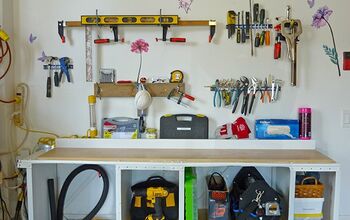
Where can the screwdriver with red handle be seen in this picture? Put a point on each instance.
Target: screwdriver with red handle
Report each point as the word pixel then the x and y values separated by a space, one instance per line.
pixel 174 40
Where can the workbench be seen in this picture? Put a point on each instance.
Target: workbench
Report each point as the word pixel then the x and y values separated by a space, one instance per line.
pixel 130 161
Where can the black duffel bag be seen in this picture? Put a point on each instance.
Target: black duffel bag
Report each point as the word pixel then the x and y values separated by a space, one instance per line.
pixel 141 207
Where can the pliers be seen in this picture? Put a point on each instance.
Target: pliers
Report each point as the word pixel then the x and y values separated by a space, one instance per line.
pixel 253 88
pixel 265 92
pixel 64 63
pixel 217 101
pixel 245 83
pixel 239 89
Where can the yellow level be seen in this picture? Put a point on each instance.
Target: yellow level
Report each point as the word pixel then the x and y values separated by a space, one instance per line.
pixel 129 20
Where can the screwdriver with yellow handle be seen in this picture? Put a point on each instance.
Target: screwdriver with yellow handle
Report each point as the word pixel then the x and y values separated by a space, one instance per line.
pixel 231 23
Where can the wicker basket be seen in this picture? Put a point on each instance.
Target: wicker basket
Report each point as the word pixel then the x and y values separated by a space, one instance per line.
pixel 309 191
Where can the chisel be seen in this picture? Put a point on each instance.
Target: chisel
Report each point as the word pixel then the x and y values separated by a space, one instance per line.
pixel 247 25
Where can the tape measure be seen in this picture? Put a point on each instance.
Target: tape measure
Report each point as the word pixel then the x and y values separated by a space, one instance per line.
pixel 176 76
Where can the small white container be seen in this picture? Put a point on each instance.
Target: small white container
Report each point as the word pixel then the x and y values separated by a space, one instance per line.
pixel 308 205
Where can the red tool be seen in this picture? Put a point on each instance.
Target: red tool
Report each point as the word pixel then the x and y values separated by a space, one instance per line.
pixel 174 40
pixel 106 41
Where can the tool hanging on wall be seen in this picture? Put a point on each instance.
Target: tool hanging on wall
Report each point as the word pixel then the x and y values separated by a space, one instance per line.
pixel 56 64
pixel 289 31
pixel 176 95
pixel 229 91
pixel 248 22
pixel 114 21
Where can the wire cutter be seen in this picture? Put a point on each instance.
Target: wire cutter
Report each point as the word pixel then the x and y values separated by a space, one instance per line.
pixel 217 101
pixel 253 88
pixel 265 92
pixel 64 63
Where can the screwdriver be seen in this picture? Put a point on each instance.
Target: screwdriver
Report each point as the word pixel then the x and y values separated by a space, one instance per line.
pixel 262 16
pixel 267 35
pixel 247 23
pixel 239 29
pixel 173 40
pixel 231 23
pixel 243 29
pixel 255 13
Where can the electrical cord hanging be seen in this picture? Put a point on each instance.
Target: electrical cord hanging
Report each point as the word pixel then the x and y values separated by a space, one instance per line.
pixel 68 181
pixel 2 56
pixel 8 102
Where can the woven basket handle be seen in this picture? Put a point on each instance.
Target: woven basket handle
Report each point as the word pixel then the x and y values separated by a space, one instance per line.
pixel 309 178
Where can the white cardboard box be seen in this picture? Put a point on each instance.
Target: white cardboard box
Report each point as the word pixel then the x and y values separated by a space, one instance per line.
pixel 308 205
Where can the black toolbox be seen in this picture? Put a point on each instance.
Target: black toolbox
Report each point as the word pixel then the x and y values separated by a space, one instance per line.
pixel 184 126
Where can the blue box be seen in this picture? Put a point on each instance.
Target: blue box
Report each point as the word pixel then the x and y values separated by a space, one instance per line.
pixel 278 129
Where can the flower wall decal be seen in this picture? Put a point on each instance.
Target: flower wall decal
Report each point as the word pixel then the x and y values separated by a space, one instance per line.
pixel 321 19
pixel 139 46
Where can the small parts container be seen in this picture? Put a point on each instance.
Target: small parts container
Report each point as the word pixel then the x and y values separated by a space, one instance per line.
pixel 305 123
pixel 151 133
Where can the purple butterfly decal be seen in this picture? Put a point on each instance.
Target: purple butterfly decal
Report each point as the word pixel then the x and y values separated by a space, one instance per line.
pixel 32 38
pixel 311 3
pixel 185 4
pixel 43 57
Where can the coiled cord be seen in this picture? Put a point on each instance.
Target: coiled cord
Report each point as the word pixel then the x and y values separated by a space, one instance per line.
pixel 67 182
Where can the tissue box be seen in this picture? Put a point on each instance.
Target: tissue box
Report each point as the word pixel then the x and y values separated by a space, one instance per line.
pixel 277 129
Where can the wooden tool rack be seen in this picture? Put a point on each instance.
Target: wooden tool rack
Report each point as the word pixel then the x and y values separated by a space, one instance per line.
pixel 130 161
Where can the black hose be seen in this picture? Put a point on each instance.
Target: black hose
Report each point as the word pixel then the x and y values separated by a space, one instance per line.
pixel 52 199
pixel 67 182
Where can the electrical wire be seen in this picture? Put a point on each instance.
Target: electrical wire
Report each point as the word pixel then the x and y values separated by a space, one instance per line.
pixel 37 131
pixel 2 56
pixel 8 102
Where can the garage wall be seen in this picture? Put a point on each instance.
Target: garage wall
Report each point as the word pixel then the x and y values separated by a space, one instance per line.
pixel 67 112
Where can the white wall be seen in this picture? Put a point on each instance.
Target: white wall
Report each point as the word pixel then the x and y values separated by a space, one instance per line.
pixel 67 112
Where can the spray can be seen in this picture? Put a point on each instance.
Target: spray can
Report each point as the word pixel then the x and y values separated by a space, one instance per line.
pixel 305 123
pixel 92 132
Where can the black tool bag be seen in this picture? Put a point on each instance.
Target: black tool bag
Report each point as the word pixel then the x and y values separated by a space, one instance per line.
pixel 252 198
pixel 141 208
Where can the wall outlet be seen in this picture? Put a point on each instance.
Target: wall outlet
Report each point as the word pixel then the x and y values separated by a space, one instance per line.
pixel 18 118
pixel 345 119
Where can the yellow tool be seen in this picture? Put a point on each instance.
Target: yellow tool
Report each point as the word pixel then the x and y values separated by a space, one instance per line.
pixel 129 19
pixel 177 76
pixel 154 198
pixel 231 23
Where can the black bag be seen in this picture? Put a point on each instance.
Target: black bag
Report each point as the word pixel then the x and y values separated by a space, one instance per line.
pixel 141 208
pixel 251 197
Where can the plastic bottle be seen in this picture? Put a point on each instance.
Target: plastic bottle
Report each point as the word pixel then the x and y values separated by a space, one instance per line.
pixel 305 123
